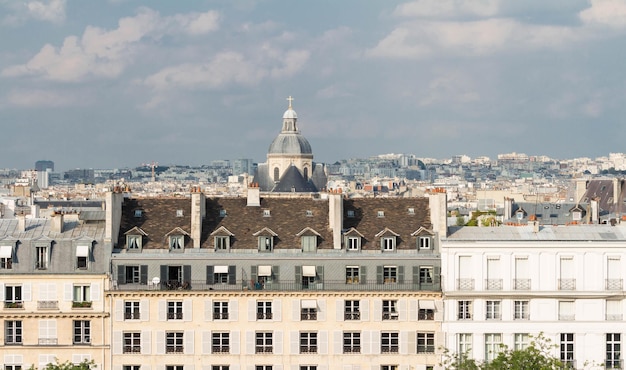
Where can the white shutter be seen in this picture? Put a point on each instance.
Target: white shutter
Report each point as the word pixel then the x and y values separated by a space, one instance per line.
pixel 567 268
pixel 95 292
pixel 162 310
pixel 364 306
pixel 143 367
pixel 2 292
pixel 493 267
pixel 68 292
pixel 402 310
pixel 189 342
pixel 613 308
pixel 46 359
pixel 235 341
pixel 249 342
pixel 117 342
pixel 52 292
pixel 146 342
pixel 233 310
pixel 277 311
pixel 144 310
pixel 160 342
pixel 119 310
pixel 338 342
pixel 339 308
pixel 187 310
pixel 278 342
pixel 375 337
pixel 323 342
pixel 321 316
pixel 252 310
pixel 27 295
pixel 295 310
pixel 294 338
pixel 206 342
pixel 522 270
pixel 208 310
pixel 404 342
pixel 366 342
pixel 438 310
pixel 378 310
pixel 413 310
pixel 189 367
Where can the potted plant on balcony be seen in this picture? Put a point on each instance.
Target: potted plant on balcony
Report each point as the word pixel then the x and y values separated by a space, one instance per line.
pixel 81 304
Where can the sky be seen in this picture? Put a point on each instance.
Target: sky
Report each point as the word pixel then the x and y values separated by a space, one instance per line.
pixel 118 83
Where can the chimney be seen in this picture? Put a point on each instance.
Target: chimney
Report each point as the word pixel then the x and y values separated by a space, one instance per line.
pixel 254 195
pixel 508 208
pixel 594 211
pixel 198 212
pixel 535 225
pixel 438 208
pixel 21 222
pixel 57 222
pixel 34 211
pixel 335 216
pixel 113 215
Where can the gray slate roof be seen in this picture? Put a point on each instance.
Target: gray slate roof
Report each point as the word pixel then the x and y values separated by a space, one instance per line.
pixel 548 233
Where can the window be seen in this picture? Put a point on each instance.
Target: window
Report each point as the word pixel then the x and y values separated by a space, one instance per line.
pixel 131 310
pixel 613 310
pixel 351 310
pixel 309 213
pixel 566 310
pixel 13 296
pixel 179 213
pixel 353 243
pixel 266 213
pixel 567 348
pixel 42 257
pixel 133 274
pixel 423 242
pixel 308 313
pixel 266 243
pixel 263 367
pixel 173 342
pixel 521 310
pixel 82 293
pixel 12 332
pixel 217 367
pixel 522 341
pixel 82 332
pixel 351 342
pixel 613 351
pixel 425 342
pixel 220 274
pixel 309 243
pixel 6 254
pixel 465 344
pixel 81 262
pixel 131 367
pixel 465 310
pixel 426 314
pixel 133 242
pixel 388 243
pixel 380 214
pixel 82 257
pixel 350 213
pixel 132 342
pixel 177 242
pixel 220 342
pixel 138 213
pixel 12 367
pixel 352 274
pixel 264 310
pixel 222 243
pixel 389 342
pixel 493 310
pixel 390 311
pixel 308 342
pixel 567 280
pixel 426 275
pixel 390 274
pixel 263 342
pixel 411 210
pixel 220 310
pixel 522 274
pixel 174 310
pixel 388 367
pixel 308 367
pixel 492 346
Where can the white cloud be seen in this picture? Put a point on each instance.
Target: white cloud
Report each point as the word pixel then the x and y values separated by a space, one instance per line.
pixel 448 8
pixel 105 53
pixel 610 13
pixel 41 98
pixel 53 10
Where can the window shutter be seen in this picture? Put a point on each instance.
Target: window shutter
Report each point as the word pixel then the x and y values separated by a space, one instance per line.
pixel 402 310
pixel 160 342
pixel 295 310
pixel 366 342
pixel 95 292
pixel 253 273
pixel 146 342
pixel 68 292
pixel 416 275
pixel 187 310
pixel 567 268
pixel 379 274
pixel 206 342
pixel 613 268
pixel 337 342
pixel 413 310
pixel 249 342
pixel 187 274
pixel 26 292
pixel 162 310
pixel 294 337
pixel 117 342
pixel 276 273
pixel 404 342
pixel 235 342
pixel 378 310
pixel 319 270
pixel 375 337
pixel 208 310
pixel 43 292
pixel 493 267
pixel 233 310
pixel 119 310
pixel 363 274
pixel 437 273
pixel 439 310
pixel 340 308
pixel 189 342
pixel 252 310
pixel 321 316
pixel 2 292
pixel 278 342
pixel 298 277
pixel 209 275
pixel 400 274
pixel 323 342
pixel 465 267
pixel 365 309
pixel 143 274
pixel 144 310
pixel 277 311
pixel 121 274
pixel 232 276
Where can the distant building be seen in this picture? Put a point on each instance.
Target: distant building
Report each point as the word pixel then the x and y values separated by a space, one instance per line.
pixel 241 166
pixel 43 165
pixel 80 175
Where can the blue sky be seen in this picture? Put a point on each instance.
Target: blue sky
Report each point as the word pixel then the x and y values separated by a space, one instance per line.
pixel 118 83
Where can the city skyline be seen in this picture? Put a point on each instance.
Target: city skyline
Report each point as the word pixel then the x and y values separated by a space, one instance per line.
pixel 121 83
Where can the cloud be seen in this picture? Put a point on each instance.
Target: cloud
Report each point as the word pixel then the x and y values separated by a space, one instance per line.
pixel 610 13
pixel 448 8
pixel 104 53
pixel 19 11
pixel 41 98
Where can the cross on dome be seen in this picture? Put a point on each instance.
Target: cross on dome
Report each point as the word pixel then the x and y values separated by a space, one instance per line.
pixel 290 100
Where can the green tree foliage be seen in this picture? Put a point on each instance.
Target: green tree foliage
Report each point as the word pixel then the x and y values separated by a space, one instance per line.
pixel 85 365
pixel 537 356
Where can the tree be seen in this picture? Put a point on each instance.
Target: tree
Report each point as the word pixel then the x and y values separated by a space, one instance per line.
pixel 85 365
pixel 537 356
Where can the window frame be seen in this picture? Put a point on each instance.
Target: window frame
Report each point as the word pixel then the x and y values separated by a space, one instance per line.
pixel 177 242
pixel 13 332
pixel 81 293
pixel 265 244
pixel 425 342
pixel 221 243
pixel 308 243
pixel 263 342
pixel 131 342
pixel 351 342
pixel 82 332
pixel 521 310
pixel 264 310
pixel 389 309
pixel 390 274
pixel 493 310
pixel 464 310
pixel 389 342
pixel 388 243
pixel 134 242
pixel 353 243
pixel 42 257
pixel 132 310
pixel 424 243
pixel 353 274
pixel 174 310
pixel 352 310
pixel 220 342
pixel 174 342
pixel 308 342
pixel 220 310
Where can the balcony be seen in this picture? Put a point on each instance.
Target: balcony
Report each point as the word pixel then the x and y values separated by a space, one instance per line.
pixel 48 305
pixel 613 364
pixel 613 284
pixel 465 284
pixel 493 284
pixel 220 315
pixel 132 349
pixel 614 317
pixel 132 316
pixel 308 349
pixel 308 316
pixel 174 315
pixel 521 284
pixel 389 349
pixel 174 349
pixel 263 350
pixel 220 349
pixel 351 349
pixel 13 304
pixel 81 304
pixel 390 315
pixel 48 341
pixel 263 315
pixel 567 284
pixel 352 316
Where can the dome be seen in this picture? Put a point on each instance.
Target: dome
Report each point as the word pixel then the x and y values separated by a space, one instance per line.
pixel 290 113
pixel 290 143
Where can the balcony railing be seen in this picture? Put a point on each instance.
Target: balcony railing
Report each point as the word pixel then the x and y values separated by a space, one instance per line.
pixel 132 315
pixel 308 316
pixel 390 316
pixel 292 286
pixel 263 350
pixel 389 349
pixel 614 317
pixel 220 349
pixel 132 349
pixel 567 284
pixel 465 284
pixel 308 349
pixel 263 315
pixel 351 349
pixel 613 284
pixel 13 304
pixel 352 316
pixel 614 364
pixel 81 304
pixel 493 284
pixel 174 349
pixel 174 315
pixel 521 284
pixel 48 341
pixel 220 315
pixel 48 305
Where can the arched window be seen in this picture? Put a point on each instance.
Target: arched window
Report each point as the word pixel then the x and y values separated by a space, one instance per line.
pixel 306 173
pixel 276 173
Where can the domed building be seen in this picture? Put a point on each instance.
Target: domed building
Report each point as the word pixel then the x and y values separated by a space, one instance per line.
pixel 290 166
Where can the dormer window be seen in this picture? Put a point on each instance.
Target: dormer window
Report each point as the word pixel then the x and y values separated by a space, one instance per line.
pixel 222 213
pixel 350 213
pixel 411 211
pixel 138 213
pixel 6 257
pixel 222 243
pixel 266 243
pixel 353 243
pixel 423 242
pixel 388 243
pixel 177 242
pixel 179 213
pixel 82 257
pixel 576 215
pixel 266 213
pixel 381 214
pixel 309 243
pixel 133 242
pixel 309 213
